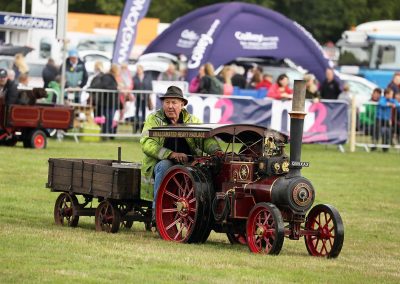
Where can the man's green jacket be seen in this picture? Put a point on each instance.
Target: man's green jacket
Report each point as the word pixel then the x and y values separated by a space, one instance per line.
pixel 154 151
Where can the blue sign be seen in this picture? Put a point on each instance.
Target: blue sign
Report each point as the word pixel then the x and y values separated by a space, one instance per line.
pixel 25 22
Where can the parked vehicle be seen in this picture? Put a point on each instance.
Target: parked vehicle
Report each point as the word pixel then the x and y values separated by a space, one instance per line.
pixel 371 50
pixel 31 124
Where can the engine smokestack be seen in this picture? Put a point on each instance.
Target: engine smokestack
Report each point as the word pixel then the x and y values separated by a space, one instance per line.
pixel 296 127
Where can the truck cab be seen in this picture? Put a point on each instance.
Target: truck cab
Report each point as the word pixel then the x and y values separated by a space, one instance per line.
pixel 371 50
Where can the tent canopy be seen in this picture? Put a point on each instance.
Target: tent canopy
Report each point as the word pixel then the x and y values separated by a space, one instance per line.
pixel 222 32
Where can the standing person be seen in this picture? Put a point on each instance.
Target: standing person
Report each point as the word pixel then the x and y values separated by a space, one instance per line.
pixel 396 118
pixel 23 80
pixel 170 74
pixel 209 84
pixel 238 79
pixel 19 65
pixel 76 75
pixel 330 88
pixel 8 88
pixel 141 81
pixel 125 86
pixel 226 76
pixel 266 82
pixel 367 118
pixel 255 79
pixel 96 83
pixel 384 118
pixel 49 72
pixel 280 90
pixel 162 153
pixel 312 92
pixel 345 96
pixel 395 83
pixel 194 86
pixel 109 102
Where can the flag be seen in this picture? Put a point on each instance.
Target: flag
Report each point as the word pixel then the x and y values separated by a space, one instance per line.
pixel 134 10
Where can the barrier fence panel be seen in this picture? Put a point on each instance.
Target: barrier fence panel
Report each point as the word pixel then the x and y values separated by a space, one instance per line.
pixel 377 131
pixel 109 113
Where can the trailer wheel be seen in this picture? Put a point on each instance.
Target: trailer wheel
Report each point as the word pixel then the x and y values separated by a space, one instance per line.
pixel 126 224
pixel 123 208
pixel 327 224
pixel 65 210
pixel 107 217
pixel 235 239
pixel 11 142
pixel 36 139
pixel 177 206
pixel 265 229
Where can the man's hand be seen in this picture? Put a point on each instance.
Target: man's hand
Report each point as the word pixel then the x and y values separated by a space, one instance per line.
pixel 178 157
pixel 219 153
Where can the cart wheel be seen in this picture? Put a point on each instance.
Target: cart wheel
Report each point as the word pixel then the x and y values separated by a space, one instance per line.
pixel 65 210
pixel 127 224
pixel 107 217
pixel 177 206
pixel 265 229
pixel 124 209
pixel 36 139
pixel 328 239
pixel 148 226
pixel 11 142
pixel 237 238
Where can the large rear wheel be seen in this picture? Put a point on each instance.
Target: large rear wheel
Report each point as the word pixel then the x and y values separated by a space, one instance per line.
pixel 177 206
pixel 327 224
pixel 265 229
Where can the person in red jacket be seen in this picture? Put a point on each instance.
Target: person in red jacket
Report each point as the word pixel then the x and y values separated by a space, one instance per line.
pixel 280 90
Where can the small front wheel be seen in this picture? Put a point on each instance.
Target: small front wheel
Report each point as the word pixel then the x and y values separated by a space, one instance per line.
pixel 327 240
pixel 265 229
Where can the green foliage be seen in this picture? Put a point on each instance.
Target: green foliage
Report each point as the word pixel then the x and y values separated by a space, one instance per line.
pixel 363 186
pixel 325 19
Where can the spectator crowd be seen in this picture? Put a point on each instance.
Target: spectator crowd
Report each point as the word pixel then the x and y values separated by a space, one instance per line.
pixel 114 96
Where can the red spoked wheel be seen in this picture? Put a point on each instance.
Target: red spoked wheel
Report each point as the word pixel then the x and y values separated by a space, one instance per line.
pixel 107 217
pixel 177 205
pixel 65 210
pixel 327 224
pixel 265 229
pixel 38 139
pixel 235 239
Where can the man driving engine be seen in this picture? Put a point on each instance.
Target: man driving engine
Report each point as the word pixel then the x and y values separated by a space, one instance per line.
pixel 162 153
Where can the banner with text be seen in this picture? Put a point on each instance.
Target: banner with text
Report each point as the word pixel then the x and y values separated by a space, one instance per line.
pixel 134 10
pixel 325 122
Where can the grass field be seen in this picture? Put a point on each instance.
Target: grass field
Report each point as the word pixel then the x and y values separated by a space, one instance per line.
pixel 364 187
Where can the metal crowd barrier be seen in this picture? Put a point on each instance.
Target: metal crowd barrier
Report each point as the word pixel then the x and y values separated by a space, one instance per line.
pixel 101 114
pixel 372 133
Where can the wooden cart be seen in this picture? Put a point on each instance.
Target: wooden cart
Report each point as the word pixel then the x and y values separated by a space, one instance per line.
pixel 115 184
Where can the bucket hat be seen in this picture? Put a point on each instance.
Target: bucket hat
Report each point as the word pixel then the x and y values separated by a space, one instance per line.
pixel 174 92
pixel 3 73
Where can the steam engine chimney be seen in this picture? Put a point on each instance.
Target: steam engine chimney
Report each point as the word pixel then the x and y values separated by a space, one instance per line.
pixel 294 191
pixel 296 127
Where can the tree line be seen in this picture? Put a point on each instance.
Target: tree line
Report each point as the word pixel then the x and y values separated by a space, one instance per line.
pixel 325 19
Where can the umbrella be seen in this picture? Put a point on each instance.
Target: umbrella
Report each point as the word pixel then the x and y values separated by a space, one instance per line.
pixel 11 50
